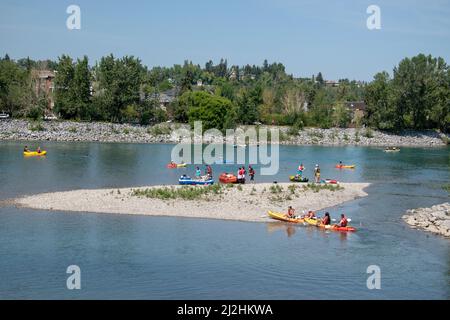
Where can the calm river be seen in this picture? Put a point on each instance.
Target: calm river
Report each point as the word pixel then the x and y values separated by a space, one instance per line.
pixel 138 257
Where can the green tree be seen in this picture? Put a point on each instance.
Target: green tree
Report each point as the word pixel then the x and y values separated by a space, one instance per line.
pixel 380 111
pixel 319 79
pixel 15 88
pixel 249 102
pixel 341 116
pixel 81 90
pixel 119 85
pixel 210 109
pixel 64 90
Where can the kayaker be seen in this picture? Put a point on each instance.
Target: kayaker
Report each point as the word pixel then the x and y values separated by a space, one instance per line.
pixel 326 220
pixel 310 215
pixel 300 170
pixel 198 173
pixel 317 173
pixel 343 222
pixel 209 171
pixel 251 173
pixel 291 212
pixel 39 150
pixel 26 149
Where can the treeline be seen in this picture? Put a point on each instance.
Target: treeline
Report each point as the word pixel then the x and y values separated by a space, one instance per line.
pixel 417 96
pixel 124 90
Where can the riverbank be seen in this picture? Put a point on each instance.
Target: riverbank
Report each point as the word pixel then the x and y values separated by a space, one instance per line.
pixel 435 219
pixel 249 202
pixel 23 130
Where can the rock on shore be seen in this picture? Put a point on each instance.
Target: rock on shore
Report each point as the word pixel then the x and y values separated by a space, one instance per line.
pixel 164 133
pixel 367 137
pixel 435 219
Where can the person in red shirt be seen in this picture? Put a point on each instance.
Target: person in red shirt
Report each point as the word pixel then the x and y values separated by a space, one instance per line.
pixel 242 174
pixel 209 171
pixel 251 173
pixel 326 220
pixel 291 212
pixel 343 222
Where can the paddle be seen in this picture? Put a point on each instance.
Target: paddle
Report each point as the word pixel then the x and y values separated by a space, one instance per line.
pixel 349 220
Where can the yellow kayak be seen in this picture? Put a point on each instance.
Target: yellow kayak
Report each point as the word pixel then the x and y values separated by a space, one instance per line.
pixel 313 222
pixel 284 217
pixel 34 153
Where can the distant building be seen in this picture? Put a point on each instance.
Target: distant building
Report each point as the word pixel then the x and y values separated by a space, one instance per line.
pixel 164 98
pixel 331 83
pixel 44 83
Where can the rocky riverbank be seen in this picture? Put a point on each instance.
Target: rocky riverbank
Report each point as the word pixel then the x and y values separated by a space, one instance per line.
pixel 164 133
pixel 435 219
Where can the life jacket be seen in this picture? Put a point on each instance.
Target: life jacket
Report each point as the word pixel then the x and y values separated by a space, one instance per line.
pixel 343 222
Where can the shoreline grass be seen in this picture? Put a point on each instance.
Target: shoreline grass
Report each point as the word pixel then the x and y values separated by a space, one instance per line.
pixel 173 193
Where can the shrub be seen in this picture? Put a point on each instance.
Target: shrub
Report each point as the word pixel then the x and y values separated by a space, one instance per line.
pixel 184 193
pixel 158 130
pixel 368 133
pixel 34 113
pixel 276 189
pixel 36 126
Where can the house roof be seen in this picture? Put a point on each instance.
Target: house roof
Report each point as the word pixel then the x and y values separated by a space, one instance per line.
pixel 43 74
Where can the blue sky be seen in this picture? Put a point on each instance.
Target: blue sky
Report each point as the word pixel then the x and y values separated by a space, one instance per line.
pixel 307 36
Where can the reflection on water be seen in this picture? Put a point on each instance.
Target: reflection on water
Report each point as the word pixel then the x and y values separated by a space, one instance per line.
pixel 290 230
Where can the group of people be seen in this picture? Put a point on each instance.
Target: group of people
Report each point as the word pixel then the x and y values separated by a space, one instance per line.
pixel 301 169
pixel 28 150
pixel 326 220
pixel 208 172
pixel 241 174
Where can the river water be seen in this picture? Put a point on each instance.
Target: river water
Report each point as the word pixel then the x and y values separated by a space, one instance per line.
pixel 138 257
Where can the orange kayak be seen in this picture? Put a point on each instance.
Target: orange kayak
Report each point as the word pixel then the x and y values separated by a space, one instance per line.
pixel 333 227
pixel 342 166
